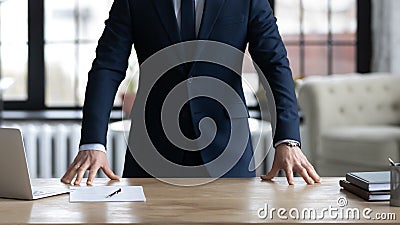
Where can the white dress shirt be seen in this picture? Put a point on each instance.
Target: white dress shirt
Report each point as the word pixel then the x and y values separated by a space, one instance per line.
pixel 199 7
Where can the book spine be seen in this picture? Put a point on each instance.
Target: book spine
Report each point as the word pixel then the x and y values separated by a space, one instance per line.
pixel 357 182
pixel 361 193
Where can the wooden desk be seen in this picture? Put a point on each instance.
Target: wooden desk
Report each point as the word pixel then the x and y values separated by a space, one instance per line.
pixel 225 201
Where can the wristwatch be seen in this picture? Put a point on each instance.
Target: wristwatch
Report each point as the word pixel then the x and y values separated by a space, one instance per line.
pixel 292 144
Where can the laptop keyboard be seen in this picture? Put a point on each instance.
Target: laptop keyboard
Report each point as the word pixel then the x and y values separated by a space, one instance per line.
pixel 40 193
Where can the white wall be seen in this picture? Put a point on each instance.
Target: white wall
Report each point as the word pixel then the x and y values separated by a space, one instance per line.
pixel 386 36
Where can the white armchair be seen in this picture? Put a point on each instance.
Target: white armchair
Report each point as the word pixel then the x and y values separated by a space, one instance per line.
pixel 352 121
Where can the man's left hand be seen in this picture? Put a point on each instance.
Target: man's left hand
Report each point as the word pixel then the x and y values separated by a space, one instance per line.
pixel 292 159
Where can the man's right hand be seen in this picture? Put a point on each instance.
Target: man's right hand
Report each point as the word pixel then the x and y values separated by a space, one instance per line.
pixel 91 160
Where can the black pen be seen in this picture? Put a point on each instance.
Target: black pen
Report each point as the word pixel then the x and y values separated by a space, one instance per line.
pixel 391 162
pixel 114 193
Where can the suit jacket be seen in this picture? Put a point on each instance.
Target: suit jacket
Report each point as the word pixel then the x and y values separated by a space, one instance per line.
pixel 150 25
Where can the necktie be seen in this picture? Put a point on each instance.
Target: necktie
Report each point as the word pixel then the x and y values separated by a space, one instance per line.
pixel 188 20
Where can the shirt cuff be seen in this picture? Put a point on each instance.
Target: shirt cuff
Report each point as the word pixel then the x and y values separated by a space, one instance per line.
pixel 98 147
pixel 284 141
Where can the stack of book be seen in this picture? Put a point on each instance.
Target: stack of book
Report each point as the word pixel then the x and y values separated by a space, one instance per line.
pixel 371 186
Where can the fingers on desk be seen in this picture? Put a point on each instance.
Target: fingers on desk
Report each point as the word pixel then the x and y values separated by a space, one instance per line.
pixel 92 174
pixel 110 174
pixel 71 171
pixel 303 173
pixel 81 172
pixel 293 160
pixel 289 175
pixel 105 168
pixel 312 173
pixel 77 168
pixel 273 173
pixel 88 160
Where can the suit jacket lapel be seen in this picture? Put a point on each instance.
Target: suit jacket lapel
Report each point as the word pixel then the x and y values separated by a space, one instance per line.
pixel 166 12
pixel 212 8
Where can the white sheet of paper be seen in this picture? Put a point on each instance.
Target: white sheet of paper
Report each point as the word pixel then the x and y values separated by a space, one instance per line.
pixel 100 193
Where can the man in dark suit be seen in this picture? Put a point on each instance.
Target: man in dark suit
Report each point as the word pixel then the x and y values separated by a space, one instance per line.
pixel 153 25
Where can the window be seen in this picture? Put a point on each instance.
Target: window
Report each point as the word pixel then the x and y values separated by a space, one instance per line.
pixel 47 46
pixel 320 35
pixel 71 31
pixel 14 47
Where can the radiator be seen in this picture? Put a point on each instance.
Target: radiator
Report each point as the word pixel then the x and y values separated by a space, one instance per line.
pixel 51 147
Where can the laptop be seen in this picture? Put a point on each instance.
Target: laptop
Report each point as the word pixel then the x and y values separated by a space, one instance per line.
pixel 15 181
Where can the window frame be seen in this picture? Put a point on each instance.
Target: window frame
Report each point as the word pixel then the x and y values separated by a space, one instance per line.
pixel 362 43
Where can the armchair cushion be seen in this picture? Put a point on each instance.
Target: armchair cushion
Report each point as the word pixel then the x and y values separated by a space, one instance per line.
pixel 361 145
